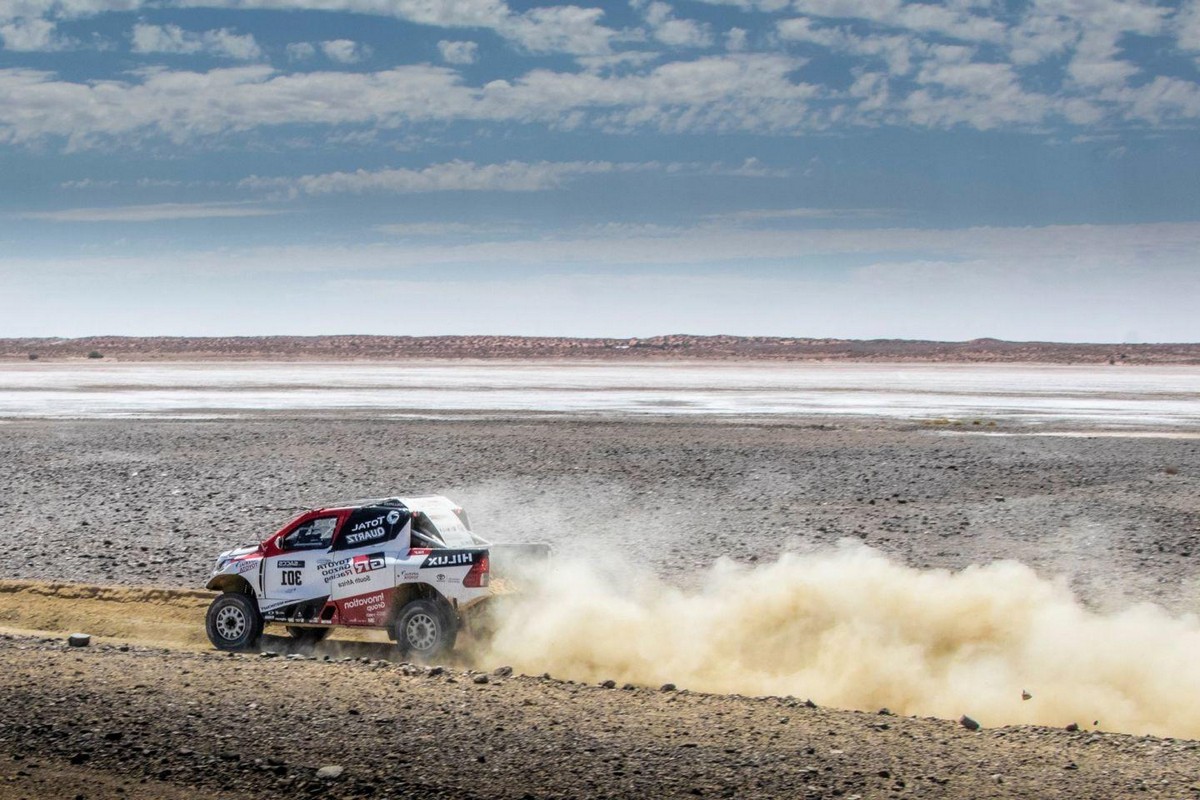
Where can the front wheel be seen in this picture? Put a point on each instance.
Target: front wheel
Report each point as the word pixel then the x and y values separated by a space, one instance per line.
pixel 307 635
pixel 233 622
pixel 425 630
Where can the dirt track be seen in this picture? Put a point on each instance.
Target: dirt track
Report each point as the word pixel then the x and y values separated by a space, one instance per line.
pixel 134 721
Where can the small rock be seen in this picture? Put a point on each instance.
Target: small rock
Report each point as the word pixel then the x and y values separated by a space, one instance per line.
pixel 480 679
pixel 1074 726
pixel 809 704
pixel 968 723
pixel 268 654
pixel 609 684
pixel 502 672
pixel 79 640
pixel 330 772
pixel 1070 765
pixel 435 671
pixel 629 687
pixel 1026 695
pixel 885 712
pixel 667 687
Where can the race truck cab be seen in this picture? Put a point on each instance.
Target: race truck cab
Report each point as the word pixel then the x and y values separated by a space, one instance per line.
pixel 408 565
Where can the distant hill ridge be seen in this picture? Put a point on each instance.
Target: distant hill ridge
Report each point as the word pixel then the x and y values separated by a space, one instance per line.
pixel 669 347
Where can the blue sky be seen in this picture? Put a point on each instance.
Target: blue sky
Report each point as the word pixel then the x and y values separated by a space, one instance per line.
pixel 856 168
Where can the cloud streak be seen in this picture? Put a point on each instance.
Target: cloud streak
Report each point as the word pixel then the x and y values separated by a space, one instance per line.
pixel 160 212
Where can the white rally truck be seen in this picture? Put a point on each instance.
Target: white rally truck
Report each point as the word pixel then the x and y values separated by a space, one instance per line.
pixel 407 565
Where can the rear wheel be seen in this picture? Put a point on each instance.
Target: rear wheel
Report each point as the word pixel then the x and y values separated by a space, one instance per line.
pixel 425 630
pixel 233 622
pixel 307 635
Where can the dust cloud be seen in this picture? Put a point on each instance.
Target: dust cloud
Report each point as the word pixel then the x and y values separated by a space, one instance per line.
pixel 850 628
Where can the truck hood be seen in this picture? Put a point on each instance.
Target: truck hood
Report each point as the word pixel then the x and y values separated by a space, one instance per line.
pixel 238 552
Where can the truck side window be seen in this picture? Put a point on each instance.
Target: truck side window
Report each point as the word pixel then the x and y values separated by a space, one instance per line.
pixel 315 534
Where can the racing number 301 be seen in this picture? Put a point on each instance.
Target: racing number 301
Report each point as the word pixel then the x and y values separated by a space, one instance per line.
pixel 289 577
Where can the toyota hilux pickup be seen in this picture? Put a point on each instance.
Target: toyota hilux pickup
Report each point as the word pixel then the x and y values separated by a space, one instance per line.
pixel 407 565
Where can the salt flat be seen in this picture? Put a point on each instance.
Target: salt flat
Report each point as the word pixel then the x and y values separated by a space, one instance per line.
pixel 1093 395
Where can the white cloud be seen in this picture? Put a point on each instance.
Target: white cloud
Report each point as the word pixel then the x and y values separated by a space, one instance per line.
pixel 544 29
pixel 1161 98
pixel 172 39
pixel 345 51
pixel 89 183
pixel 300 51
pixel 1187 26
pixel 435 229
pixel 559 29
pixel 461 176
pixel 959 23
pixel 458 52
pixel 752 5
pixel 628 59
pixel 151 213
pixel 30 35
pixel 736 39
pixel 898 52
pixel 670 30
pixel 732 92
pixel 800 214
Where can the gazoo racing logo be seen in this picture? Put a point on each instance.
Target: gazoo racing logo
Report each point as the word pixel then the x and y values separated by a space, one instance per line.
pixel 367 563
pixel 461 558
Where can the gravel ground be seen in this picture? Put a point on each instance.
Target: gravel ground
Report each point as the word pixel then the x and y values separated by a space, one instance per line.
pixel 153 502
pixel 141 722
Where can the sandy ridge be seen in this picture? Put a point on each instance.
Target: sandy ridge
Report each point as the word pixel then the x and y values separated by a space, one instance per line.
pixel 670 347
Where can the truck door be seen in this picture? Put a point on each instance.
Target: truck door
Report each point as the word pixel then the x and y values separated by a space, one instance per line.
pixel 293 588
pixel 360 569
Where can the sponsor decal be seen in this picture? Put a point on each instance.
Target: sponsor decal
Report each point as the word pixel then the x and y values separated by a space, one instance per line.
pixel 332 570
pixel 441 577
pixel 393 517
pixel 419 551
pixel 246 566
pixel 370 530
pixel 290 563
pixel 368 563
pixel 462 558
pixel 373 600
pixel 362 537
pixel 293 611
pixel 410 576
pixel 349 571
pixel 365 609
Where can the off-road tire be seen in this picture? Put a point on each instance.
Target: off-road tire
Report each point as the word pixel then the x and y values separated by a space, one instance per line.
pixel 425 630
pixel 307 635
pixel 233 622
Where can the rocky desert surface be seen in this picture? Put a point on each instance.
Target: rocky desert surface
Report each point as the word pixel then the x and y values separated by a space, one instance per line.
pixel 153 501
pixel 138 722
pixel 98 510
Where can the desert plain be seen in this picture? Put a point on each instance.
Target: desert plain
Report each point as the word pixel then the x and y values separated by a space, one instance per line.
pixel 770 605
